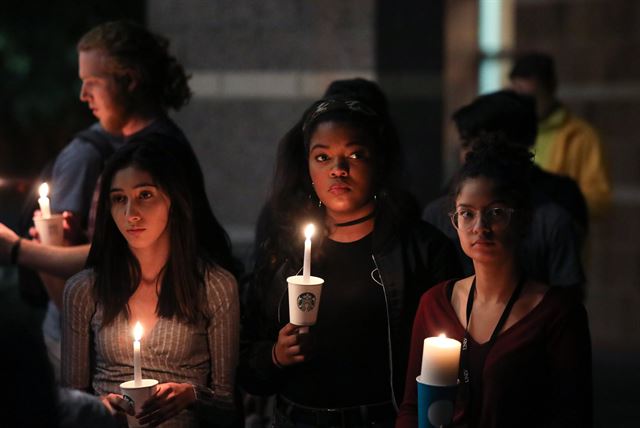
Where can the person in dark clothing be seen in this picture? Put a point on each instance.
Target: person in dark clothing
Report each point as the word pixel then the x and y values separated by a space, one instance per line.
pixel 526 351
pixel 336 167
pixel 551 248
pixel 514 115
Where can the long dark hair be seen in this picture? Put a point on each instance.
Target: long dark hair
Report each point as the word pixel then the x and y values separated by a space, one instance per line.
pixel 293 202
pixel 197 241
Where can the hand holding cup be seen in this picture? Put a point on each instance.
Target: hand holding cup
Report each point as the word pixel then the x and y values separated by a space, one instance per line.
pixel 168 400
pixel 290 348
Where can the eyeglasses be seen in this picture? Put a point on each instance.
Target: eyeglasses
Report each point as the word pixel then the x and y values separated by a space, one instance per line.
pixel 465 218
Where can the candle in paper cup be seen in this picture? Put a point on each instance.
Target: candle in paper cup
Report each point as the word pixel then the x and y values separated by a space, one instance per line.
pixel 50 227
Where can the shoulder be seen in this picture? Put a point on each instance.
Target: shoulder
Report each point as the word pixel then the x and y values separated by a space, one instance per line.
pixel 167 129
pixel 436 207
pixel 432 242
pixel 79 286
pixel 437 212
pixel 220 284
pixel 549 214
pixel 78 150
pixel 561 304
pixel 438 295
pixel 425 232
pixel 533 294
pixel 578 126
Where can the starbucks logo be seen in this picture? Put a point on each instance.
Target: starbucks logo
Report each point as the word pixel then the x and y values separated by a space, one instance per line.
pixel 306 302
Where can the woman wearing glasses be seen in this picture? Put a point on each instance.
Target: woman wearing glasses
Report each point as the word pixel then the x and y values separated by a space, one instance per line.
pixel 527 362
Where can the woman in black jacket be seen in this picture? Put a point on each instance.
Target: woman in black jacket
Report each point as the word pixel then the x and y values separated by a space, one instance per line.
pixel 338 168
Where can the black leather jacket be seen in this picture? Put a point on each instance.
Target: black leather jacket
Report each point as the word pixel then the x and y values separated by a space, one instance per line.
pixel 410 260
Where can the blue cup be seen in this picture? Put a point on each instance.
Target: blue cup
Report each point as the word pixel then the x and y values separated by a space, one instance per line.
pixel 435 404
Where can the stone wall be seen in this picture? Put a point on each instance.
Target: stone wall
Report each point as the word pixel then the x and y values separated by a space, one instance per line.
pixel 257 65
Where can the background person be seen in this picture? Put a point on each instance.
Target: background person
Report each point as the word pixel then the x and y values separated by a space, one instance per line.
pixel 565 144
pixel 129 81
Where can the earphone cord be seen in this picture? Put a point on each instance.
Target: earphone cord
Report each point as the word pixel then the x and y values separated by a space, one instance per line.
pixel 386 305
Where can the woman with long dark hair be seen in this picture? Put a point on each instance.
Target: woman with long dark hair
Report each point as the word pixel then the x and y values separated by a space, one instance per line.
pixel 526 354
pixel 159 257
pixel 338 168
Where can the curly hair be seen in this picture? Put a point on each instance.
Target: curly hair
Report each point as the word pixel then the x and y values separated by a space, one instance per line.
pixel 134 49
pixel 508 165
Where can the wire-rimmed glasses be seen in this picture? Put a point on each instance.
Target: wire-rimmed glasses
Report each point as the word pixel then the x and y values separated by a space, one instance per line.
pixel 465 218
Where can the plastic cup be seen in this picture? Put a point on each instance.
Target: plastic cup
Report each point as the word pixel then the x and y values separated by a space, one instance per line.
pixel 435 404
pixel 304 299
pixel 50 229
pixel 137 395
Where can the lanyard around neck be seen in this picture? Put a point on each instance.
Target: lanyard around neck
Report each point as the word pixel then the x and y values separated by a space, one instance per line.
pixel 466 342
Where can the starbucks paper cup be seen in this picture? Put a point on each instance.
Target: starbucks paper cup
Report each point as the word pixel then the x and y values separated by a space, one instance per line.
pixel 304 299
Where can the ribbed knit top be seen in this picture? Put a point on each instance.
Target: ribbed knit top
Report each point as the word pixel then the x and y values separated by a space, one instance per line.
pixel 204 354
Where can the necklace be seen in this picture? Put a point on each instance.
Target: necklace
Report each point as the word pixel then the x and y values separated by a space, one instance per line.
pixel 357 221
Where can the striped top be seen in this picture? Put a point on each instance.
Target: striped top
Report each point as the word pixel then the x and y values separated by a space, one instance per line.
pixel 204 354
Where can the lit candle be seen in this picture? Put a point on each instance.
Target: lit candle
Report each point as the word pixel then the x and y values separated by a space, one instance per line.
pixel 306 265
pixel 137 370
pixel 440 361
pixel 43 200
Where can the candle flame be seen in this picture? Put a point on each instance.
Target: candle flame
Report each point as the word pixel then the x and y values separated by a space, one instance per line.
pixel 442 335
pixel 137 331
pixel 309 231
pixel 43 190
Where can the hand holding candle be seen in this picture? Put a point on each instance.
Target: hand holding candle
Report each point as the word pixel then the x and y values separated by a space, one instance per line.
pixel 43 201
pixel 137 370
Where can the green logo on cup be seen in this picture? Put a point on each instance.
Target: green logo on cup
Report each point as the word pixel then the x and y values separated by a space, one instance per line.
pixel 306 302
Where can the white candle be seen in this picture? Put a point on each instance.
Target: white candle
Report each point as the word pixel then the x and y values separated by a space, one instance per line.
pixel 306 265
pixel 137 370
pixel 43 200
pixel 440 361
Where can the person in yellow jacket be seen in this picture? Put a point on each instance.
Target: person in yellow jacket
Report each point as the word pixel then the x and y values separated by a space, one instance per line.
pixel 565 143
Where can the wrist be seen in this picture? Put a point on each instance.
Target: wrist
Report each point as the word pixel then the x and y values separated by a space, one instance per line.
pixel 15 252
pixel 274 358
pixel 192 392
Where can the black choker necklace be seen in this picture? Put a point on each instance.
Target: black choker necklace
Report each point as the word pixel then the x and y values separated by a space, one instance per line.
pixel 357 221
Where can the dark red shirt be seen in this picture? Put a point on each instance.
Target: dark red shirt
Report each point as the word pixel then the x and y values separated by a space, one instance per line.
pixel 537 374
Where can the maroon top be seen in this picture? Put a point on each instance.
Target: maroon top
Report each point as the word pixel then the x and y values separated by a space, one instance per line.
pixel 537 374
